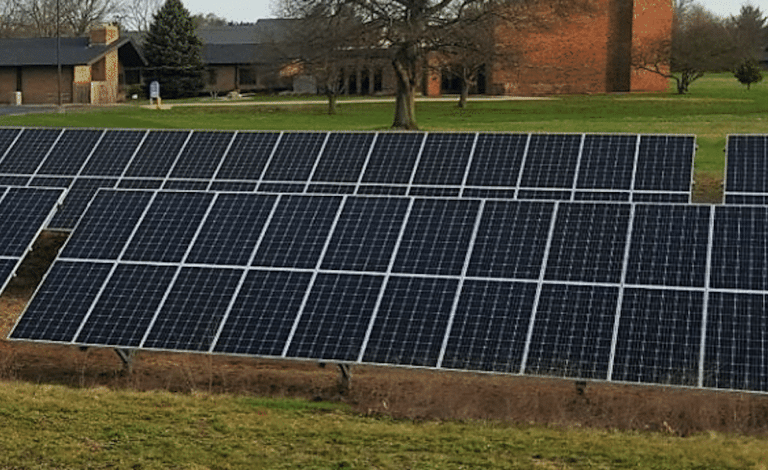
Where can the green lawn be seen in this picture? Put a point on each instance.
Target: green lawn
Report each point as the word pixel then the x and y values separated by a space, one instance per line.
pixel 716 106
pixel 44 426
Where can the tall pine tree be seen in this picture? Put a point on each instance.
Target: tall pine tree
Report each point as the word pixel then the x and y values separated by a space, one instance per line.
pixel 172 49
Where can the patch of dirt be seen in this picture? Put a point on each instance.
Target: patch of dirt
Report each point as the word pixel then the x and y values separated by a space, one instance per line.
pixel 396 392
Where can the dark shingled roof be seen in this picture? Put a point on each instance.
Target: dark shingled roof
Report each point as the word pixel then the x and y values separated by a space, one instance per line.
pixel 74 51
pixel 266 41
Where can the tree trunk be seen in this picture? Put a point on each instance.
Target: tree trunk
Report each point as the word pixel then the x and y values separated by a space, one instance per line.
pixel 331 103
pixel 404 64
pixel 464 91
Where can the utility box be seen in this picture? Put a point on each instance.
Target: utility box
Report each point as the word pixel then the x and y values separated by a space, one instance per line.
pixel 16 98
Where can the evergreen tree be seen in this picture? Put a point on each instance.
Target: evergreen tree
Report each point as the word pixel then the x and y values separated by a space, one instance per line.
pixel 748 72
pixel 172 49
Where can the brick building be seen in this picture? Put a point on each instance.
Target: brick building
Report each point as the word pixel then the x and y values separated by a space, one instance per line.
pixel 585 51
pixel 92 68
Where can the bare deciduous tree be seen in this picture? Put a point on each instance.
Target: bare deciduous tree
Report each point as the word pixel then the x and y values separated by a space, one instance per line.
pixel 700 43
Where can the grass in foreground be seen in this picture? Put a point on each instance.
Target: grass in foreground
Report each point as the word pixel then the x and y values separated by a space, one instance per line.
pixel 44 426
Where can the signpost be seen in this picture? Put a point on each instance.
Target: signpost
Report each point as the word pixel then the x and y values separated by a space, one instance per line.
pixel 154 92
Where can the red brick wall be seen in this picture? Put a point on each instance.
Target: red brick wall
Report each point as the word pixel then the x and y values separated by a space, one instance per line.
pixel 583 52
pixel 38 85
pixel 652 18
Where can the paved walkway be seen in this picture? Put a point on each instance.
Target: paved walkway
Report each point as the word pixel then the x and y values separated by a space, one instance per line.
pixel 341 101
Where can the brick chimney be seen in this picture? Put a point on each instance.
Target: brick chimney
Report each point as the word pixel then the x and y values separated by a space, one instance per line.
pixel 104 34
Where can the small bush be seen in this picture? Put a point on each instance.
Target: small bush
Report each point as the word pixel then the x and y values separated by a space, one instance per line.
pixel 748 72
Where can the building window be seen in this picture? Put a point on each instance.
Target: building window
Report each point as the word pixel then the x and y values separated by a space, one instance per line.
pixel 212 76
pixel 247 76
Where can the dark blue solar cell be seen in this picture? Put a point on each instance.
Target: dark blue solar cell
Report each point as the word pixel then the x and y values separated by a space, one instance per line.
pixel 740 248
pixel 490 326
pixel 27 209
pixel 298 231
pixel 742 199
pixel 7 137
pixel 107 224
pixel 113 153
pixel 532 194
pixel 436 237
pixel 239 186
pixel 50 182
pixel 14 180
pixel 231 230
pixel 411 322
pixel 383 190
pixel 70 152
pixel 29 151
pixel 157 154
pixel 672 198
pixel 496 160
pixel 343 158
pixel 669 245
pixel 7 266
pixel 281 187
pixel 393 158
pixel 61 302
pixel 190 316
pixel 428 191
pixel 248 156
pixel 659 337
pixel 511 239
pixel 665 163
pixel 588 243
pixel 747 164
pixel 186 185
pixel 78 197
pixel 295 157
pixel 330 189
pixel 736 351
pixel 572 332
pixel 444 159
pixel 140 184
pixel 607 162
pixel 615 196
pixel 263 313
pixel 489 193
pixel 168 227
pixel 551 161
pixel 365 234
pixel 336 317
pixel 127 305
pixel 202 155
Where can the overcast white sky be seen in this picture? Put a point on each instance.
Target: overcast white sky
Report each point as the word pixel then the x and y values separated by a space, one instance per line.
pixel 252 10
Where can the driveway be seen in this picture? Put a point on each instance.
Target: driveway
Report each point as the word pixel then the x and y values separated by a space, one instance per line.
pixel 16 110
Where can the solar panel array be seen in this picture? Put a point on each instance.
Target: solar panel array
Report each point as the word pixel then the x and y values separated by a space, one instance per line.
pixel 507 166
pixel 629 292
pixel 746 169
pixel 23 214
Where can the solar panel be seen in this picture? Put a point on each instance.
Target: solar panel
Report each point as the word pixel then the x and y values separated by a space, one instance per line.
pixel 589 243
pixel 113 153
pixel 30 149
pixel 739 247
pixel 393 158
pixel 444 160
pixel 343 158
pixel 248 156
pixel 295 156
pixel 336 317
pixel 70 152
pixel 665 163
pixel 607 162
pixel 23 213
pixel 157 154
pixel 7 138
pixel 746 165
pixel 572 331
pixel 497 160
pixel 202 154
pixel 551 161
pixel 659 337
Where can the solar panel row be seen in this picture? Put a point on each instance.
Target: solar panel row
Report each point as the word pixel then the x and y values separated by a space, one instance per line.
pixel 506 166
pixel 745 170
pixel 23 214
pixel 610 291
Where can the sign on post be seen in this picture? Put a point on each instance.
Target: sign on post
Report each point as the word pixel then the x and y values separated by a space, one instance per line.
pixel 154 92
